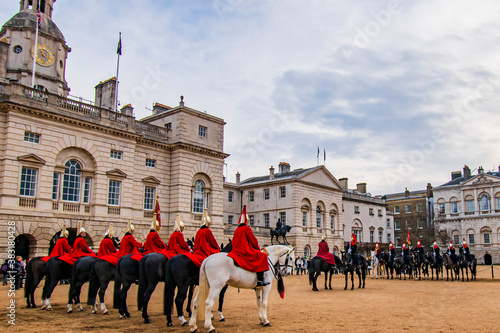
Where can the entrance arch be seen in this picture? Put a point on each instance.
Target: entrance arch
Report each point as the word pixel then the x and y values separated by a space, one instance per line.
pixel 24 246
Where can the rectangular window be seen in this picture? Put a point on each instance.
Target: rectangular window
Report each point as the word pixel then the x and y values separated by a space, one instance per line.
pixel 115 154
pixel 150 163
pixel 388 224
pixel 283 217
pixel 471 238
pixel 407 209
pixel 86 190
pixel 250 220
pixel 251 196
pixel 396 209
pixel 486 238
pixel 470 205
pixel 380 212
pixel 397 242
pixel 454 207
pixel 332 222
pixel 419 208
pixel 441 208
pixel 371 236
pixel 304 219
pixel 455 239
pixel 358 235
pixel 498 203
pixel 282 192
pixel 55 186
pixel 396 225
pixel 380 236
pixel 230 196
pixel 408 225
pixel 371 211
pixel 266 194
pixel 388 238
pixel 230 219
pixel 31 137
pixel 114 193
pixel 356 209
pixel 168 126
pixel 266 220
pixel 202 131
pixel 149 196
pixel 28 182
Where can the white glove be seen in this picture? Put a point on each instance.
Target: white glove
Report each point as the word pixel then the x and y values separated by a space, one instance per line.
pixel 349 251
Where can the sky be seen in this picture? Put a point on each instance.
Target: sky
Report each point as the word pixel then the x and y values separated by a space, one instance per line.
pixel 396 94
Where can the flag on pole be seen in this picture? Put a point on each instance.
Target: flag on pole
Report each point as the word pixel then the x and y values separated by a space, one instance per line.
pixel 119 49
pixel 318 153
pixel 39 18
pixel 408 238
pixel 324 155
pixel 157 211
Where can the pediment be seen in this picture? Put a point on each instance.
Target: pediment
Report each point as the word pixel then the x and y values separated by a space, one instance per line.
pixel 481 179
pixel 151 180
pixel 321 176
pixel 31 158
pixel 116 173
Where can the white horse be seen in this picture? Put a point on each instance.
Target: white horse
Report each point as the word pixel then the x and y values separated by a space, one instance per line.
pixel 218 270
pixel 375 265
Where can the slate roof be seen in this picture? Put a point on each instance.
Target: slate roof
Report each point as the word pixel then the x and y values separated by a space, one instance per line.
pixel 278 176
pixel 461 179
pixel 28 19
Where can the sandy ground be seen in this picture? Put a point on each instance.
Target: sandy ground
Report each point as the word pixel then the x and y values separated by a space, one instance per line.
pixel 384 306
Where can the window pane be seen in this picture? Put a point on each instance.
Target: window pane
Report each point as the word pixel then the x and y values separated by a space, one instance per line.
pixel 28 182
pixel 150 163
pixel 318 217
pixel 149 195
pixel 471 239
pixel 55 186
pixel 486 238
pixel 266 220
pixel 86 191
pixel 198 196
pixel 114 193
pixel 283 217
pixel 304 219
pixel 71 183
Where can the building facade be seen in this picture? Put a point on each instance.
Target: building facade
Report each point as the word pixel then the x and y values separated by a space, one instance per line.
pixel 468 207
pixel 367 217
pixel 308 200
pixel 65 162
pixel 414 212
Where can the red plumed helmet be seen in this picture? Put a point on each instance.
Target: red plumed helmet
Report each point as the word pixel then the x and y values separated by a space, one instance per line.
pixel 353 238
pixel 243 216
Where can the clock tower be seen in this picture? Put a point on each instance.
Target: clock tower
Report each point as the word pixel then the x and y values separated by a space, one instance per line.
pixel 17 48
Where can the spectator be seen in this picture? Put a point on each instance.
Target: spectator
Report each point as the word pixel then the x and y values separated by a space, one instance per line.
pixel 5 269
pixel 19 268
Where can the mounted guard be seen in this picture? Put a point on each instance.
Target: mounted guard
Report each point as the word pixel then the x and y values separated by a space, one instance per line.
pixel 80 248
pixel 129 245
pixel 176 244
pixel 204 242
pixel 324 250
pixel 61 247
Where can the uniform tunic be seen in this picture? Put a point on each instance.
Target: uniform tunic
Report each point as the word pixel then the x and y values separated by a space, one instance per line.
pixel 204 246
pixel 80 249
pixel 246 251
pixel 60 248
pixel 176 245
pixel 324 252
pixel 107 251
pixel 128 245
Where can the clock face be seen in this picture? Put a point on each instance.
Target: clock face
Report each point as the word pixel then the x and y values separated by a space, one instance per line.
pixel 44 55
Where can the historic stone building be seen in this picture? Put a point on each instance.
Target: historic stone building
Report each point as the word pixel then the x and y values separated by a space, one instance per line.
pixel 64 161
pixel 367 217
pixel 309 200
pixel 468 206
pixel 413 211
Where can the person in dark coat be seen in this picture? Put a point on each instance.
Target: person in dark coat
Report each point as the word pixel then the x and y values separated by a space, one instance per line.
pixel 451 252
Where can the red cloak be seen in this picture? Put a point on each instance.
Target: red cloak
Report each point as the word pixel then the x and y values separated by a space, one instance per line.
pixel 176 245
pixel 324 252
pixel 204 245
pixel 106 248
pixel 128 245
pixel 60 248
pixel 246 251
pixel 153 244
pixel 80 249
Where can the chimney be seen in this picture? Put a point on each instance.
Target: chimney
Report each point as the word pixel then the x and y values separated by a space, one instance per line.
pixel 283 167
pixel 237 177
pixel 127 110
pixel 407 193
pixel 480 170
pixel 271 172
pixel 429 190
pixel 466 172
pixel 456 174
pixel 361 187
pixel 159 108
pixel 344 182
pixel 105 94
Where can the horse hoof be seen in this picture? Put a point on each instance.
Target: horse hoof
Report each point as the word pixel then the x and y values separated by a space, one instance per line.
pixel 315 289
pixel 43 307
pixel 170 324
pixel 28 306
pixel 147 321
pixel 49 308
pixel 223 319
pixel 212 331
pixel 267 324
pixel 105 312
pixel 70 311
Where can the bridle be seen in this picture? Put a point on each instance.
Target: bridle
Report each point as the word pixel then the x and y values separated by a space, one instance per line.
pixel 277 268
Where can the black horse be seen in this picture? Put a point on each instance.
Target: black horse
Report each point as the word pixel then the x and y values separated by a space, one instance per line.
pixel 350 267
pixel 80 274
pixel 317 265
pixel 126 273
pixel 450 266
pixel 151 271
pixel 464 263
pixel 101 274
pixel 435 264
pixel 35 271
pixel 57 270
pixel 281 232
pixel 183 274
pixel 417 262
pixel 389 265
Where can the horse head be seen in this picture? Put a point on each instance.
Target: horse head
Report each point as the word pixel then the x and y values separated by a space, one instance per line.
pixel 116 242
pixel 282 257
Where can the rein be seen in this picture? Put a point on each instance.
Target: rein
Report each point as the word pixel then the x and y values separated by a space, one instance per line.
pixel 276 268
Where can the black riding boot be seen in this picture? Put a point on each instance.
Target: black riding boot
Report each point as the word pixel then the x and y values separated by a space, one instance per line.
pixel 260 280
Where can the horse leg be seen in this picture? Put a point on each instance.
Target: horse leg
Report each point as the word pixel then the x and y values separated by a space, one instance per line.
pixel 190 298
pixel 315 277
pixel 209 303
pixel 358 272
pixel 221 302
pixel 179 302
pixel 77 293
pixel 352 279
pixel 102 293
pixel 52 286
pixel 330 281
pixel 123 310
pixel 264 294
pixel 147 296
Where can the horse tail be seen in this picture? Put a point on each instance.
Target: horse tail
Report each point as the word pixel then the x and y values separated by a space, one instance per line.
pixel 202 291
pixel 94 285
pixel 311 272
pixel 118 285
pixel 143 282
pixel 168 290
pixel 281 286
pixel 30 278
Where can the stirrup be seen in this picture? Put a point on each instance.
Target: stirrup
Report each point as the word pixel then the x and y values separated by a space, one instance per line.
pixel 262 283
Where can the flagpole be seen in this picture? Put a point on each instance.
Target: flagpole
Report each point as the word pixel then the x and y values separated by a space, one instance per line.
pixel 36 45
pixel 119 51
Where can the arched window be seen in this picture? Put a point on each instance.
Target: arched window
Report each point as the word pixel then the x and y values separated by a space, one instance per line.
pixel 485 203
pixel 318 217
pixel 72 181
pixel 198 195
